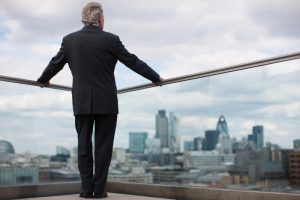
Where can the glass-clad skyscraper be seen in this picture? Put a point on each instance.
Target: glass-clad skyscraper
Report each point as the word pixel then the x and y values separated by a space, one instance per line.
pixel 222 126
pixel 211 139
pixel 137 142
pixel 173 133
pixel 258 136
pixel 162 128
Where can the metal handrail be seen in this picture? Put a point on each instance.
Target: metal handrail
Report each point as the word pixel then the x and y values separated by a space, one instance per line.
pixel 227 69
pixel 33 83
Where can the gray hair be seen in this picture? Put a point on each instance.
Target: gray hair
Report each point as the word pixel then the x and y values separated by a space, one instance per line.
pixel 91 12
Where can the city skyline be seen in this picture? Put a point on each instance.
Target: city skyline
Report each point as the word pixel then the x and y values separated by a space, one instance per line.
pixel 209 131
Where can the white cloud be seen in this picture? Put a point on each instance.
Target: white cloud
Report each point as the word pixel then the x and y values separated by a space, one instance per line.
pixel 47 114
pixel 33 101
pixel 290 110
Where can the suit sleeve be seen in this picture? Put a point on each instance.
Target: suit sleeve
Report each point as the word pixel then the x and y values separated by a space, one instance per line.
pixel 55 65
pixel 134 63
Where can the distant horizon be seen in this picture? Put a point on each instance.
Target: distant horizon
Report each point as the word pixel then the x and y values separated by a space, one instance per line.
pixel 181 149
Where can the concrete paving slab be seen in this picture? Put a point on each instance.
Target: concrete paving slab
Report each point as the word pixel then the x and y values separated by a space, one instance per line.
pixel 113 196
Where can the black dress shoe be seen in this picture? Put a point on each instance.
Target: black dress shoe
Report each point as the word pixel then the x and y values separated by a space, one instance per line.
pixel 100 196
pixel 86 195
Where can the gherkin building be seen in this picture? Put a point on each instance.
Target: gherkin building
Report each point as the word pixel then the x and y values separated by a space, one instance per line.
pixel 222 126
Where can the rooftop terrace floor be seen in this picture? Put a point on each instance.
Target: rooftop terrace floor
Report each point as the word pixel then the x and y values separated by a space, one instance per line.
pixel 110 196
pixel 136 191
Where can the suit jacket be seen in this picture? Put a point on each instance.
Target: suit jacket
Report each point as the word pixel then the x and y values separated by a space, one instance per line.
pixel 92 55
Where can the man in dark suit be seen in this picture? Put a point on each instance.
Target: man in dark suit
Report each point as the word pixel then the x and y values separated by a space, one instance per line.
pixel 92 55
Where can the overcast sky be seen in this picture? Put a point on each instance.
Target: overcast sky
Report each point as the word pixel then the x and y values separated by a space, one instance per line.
pixel 174 38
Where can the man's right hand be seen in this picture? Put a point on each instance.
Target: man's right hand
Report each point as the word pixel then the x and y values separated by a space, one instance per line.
pixel 159 83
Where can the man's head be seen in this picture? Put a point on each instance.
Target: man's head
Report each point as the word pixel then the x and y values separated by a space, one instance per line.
pixel 92 13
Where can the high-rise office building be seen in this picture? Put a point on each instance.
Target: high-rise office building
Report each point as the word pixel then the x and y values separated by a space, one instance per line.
pixel 162 127
pixel 188 145
pixel 211 139
pixel 250 138
pixel 153 150
pixel 297 144
pixel 257 136
pixel 222 126
pixel 224 145
pixel 198 143
pixel 174 140
pixel 137 142
pixel 224 142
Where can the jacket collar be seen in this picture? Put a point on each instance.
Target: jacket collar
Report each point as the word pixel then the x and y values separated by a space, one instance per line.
pixel 91 28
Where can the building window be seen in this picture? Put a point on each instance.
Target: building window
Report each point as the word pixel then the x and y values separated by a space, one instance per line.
pixel 24 179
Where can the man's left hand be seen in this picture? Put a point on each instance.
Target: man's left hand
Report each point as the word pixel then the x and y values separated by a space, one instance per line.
pixel 44 84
